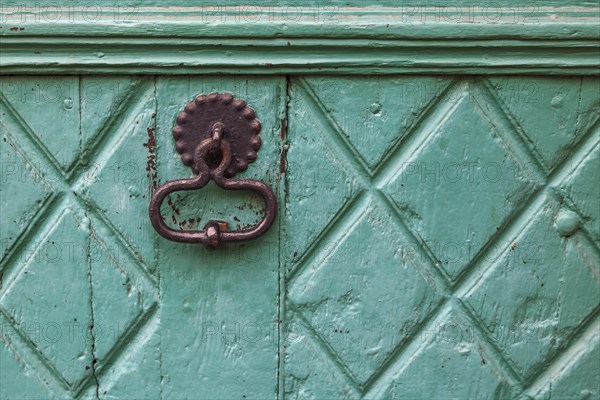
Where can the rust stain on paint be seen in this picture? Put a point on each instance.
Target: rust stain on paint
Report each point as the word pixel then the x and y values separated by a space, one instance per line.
pixel 151 162
pixel 283 129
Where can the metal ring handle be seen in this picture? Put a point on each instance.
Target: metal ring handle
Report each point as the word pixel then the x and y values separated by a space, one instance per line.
pixel 270 211
pixel 214 232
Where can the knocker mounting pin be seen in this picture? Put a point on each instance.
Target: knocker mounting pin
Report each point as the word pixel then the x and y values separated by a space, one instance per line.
pixel 217 136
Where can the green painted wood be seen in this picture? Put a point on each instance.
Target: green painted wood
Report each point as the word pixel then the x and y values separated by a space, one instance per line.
pixel 465 262
pixel 310 3
pixel 438 237
pixel 220 308
pixel 340 37
pixel 385 19
pixel 93 304
pixel 81 264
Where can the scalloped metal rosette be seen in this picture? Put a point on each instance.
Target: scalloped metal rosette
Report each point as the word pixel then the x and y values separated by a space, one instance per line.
pixel 240 129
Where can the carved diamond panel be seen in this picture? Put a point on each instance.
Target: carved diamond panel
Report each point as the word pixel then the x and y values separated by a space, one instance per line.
pixel 376 113
pixel 42 305
pixel 493 203
pixel 540 290
pixel 321 185
pixel 119 181
pixel 441 226
pixel 461 185
pixel 302 379
pixel 449 350
pixel 569 106
pixel 54 101
pixel 74 292
pixel 363 280
pixel 581 188
pixel 574 374
pixel 19 176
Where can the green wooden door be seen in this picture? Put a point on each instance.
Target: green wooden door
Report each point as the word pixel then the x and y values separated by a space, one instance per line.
pixel 437 234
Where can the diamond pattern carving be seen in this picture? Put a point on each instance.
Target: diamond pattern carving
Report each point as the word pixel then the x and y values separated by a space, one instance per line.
pixel 74 291
pixel 375 114
pixel 574 374
pixel 323 186
pixel 468 181
pixel 302 379
pixel 570 106
pixel 20 174
pixel 46 313
pixel 407 219
pixel 377 277
pixel 539 291
pixel 448 344
pixel 118 183
pixel 54 101
pixel 518 287
pixel 102 97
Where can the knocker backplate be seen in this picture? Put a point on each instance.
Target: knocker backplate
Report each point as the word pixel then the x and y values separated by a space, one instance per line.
pixel 240 129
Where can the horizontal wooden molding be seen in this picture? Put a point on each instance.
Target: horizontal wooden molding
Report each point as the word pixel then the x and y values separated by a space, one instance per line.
pixel 220 39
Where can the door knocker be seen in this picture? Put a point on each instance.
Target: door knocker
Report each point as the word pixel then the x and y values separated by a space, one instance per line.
pixel 217 136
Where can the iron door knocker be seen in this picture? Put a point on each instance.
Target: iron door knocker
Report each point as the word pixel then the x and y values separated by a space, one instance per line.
pixel 217 136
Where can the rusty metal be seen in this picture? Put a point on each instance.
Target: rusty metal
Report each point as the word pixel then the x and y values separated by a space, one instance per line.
pixel 225 116
pixel 217 136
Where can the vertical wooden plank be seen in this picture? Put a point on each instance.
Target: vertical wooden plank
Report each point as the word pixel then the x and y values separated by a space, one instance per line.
pixel 219 309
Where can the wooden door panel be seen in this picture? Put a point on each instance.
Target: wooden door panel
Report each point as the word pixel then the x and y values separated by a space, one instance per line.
pixel 467 257
pixel 437 237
